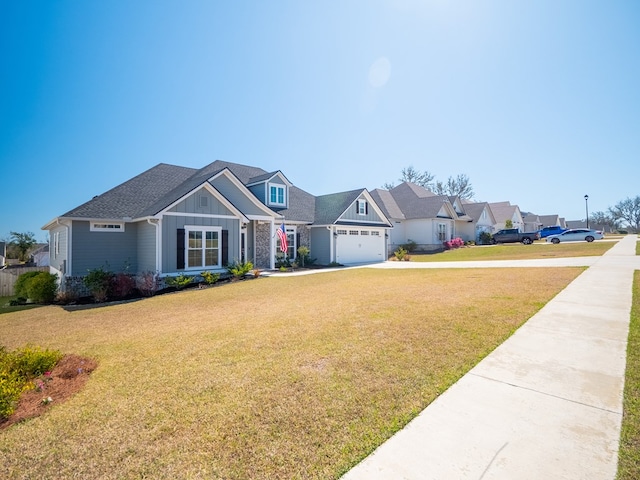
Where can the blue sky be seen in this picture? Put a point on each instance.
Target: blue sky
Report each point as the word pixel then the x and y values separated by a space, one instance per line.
pixel 537 102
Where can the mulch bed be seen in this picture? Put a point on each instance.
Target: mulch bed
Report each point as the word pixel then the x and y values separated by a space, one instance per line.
pixel 67 378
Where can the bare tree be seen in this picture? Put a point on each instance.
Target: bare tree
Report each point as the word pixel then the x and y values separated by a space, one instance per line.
pixel 459 185
pixel 604 219
pixel 410 174
pixel 627 210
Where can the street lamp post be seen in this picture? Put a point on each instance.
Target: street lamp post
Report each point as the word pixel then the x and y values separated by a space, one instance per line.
pixel 586 206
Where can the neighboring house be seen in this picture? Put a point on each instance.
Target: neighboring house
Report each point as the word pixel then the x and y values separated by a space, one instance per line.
pixel 503 211
pixel 583 224
pixel 417 215
pixel 172 220
pixel 40 256
pixel 532 222
pixel 482 220
pixel 550 221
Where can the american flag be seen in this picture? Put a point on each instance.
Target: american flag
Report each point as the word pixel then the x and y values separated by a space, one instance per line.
pixel 282 235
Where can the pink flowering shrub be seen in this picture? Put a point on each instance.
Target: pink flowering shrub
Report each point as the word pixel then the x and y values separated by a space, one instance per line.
pixel 454 243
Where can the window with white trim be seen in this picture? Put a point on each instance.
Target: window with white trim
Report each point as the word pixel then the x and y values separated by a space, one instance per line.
pixel 203 246
pixel 292 248
pixel 107 227
pixel 442 232
pixel 341 232
pixel 353 232
pixel 364 232
pixel 375 233
pixel 277 195
pixel 56 244
pixel 363 209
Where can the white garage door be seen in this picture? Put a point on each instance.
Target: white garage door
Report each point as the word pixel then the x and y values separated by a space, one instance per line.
pixel 360 246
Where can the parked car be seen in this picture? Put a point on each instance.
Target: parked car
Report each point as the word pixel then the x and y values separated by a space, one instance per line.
pixel 553 230
pixel 512 235
pixel 576 235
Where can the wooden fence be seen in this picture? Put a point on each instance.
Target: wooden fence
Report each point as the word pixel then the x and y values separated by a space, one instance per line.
pixel 9 277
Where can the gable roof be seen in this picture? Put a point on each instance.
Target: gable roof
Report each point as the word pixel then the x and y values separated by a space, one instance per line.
pixel 135 196
pixel 474 210
pixel 549 220
pixel 387 203
pixel 330 207
pixel 503 211
pixel 410 201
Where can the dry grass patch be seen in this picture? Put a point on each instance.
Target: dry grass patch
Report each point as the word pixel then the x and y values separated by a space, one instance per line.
pixel 517 251
pixel 295 377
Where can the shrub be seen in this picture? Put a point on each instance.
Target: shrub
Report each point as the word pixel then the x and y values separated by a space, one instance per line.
pixel 210 278
pixel 303 256
pixel 400 254
pixel 10 389
pixel 239 269
pixel 179 282
pixel 147 283
pixel 42 288
pixel 410 246
pixel 17 369
pixel 29 362
pixel 485 238
pixel 98 281
pixel 282 261
pixel 454 243
pixel 122 285
pixel 21 285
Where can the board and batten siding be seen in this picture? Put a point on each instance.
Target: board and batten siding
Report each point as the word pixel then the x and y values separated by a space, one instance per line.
pixel 113 251
pixel 321 239
pixel 171 224
pixel 194 204
pixel 58 260
pixel 352 214
pixel 236 196
pixel 146 247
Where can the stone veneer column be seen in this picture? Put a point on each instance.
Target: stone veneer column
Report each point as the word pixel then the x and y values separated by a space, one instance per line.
pixel 263 245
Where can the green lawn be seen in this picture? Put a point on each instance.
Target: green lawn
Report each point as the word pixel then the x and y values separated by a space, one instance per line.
pixel 629 455
pixel 290 377
pixel 6 308
pixel 517 251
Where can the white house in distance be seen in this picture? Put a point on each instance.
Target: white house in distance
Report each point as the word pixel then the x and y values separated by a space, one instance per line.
pixel 503 211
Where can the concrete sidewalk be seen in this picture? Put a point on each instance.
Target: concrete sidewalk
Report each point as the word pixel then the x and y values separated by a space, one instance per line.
pixel 546 404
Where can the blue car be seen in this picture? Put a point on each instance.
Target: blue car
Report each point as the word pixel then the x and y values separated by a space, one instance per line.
pixel 554 230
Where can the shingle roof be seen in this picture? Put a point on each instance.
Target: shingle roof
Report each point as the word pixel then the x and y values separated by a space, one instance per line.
pixel 302 206
pixel 387 203
pixel 502 211
pixel 135 196
pixel 474 210
pixel 549 220
pixel 330 207
pixel 414 201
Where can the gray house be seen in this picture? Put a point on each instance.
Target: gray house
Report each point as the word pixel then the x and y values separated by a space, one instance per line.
pixel 172 219
pixel 419 215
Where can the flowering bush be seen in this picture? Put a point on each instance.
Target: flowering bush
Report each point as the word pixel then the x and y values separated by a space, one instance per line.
pixel 18 368
pixel 454 243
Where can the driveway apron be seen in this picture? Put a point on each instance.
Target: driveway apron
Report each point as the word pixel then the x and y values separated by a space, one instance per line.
pixel 546 404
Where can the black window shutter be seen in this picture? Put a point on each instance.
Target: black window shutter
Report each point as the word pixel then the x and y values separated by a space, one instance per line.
pixel 366 208
pixel 180 250
pixel 225 247
pixel 297 240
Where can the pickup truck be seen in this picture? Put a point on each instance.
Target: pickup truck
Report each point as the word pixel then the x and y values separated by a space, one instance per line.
pixel 512 235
